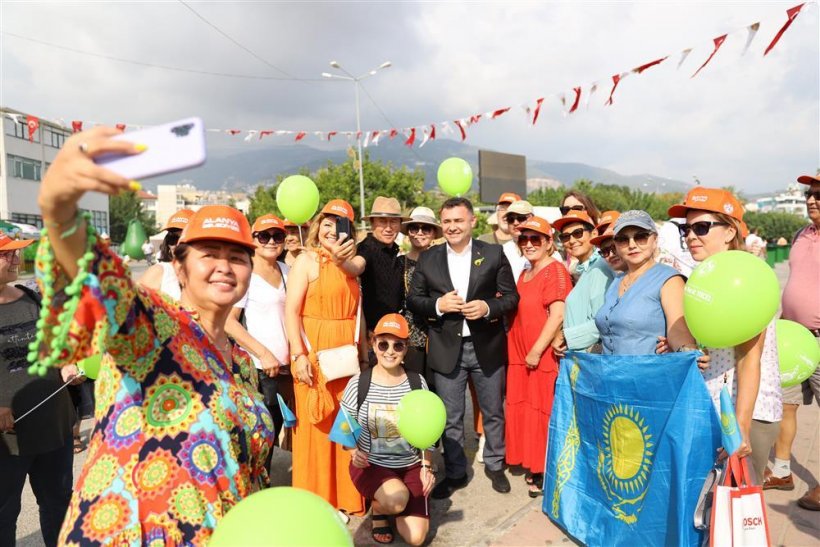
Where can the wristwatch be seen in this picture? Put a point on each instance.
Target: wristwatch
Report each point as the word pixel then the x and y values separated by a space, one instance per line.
pixel 295 356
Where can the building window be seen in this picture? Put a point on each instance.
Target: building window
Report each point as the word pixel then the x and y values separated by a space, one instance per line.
pixel 99 219
pixel 53 137
pixel 24 168
pixel 19 129
pixel 34 220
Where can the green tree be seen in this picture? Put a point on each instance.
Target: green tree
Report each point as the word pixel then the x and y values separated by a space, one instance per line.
pixel 124 207
pixel 775 225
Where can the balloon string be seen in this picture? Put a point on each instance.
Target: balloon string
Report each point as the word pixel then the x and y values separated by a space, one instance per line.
pixel 41 403
pixel 423 463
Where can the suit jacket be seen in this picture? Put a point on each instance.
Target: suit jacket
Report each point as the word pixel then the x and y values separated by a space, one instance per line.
pixel 491 280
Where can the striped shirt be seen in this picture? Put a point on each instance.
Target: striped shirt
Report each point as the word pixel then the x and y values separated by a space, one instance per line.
pixel 378 417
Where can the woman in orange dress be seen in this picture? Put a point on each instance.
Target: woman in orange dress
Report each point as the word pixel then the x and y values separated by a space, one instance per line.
pixel 533 368
pixel 322 301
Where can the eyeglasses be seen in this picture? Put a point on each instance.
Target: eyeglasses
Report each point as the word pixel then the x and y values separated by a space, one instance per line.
pixel 416 228
pixel 640 238
pixel 398 347
pixel 513 218
pixel 577 233
pixel 535 240
pixel 813 194
pixel 606 251
pixel 8 256
pixel 172 238
pixel 265 237
pixel 567 208
pixel 700 228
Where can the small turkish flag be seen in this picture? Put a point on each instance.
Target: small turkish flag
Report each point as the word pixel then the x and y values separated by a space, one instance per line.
pixel 121 126
pixel 76 126
pixel 33 124
pixel 300 135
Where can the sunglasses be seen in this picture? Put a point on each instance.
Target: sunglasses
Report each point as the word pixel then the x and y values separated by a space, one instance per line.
pixel 606 251
pixel 813 194
pixel 700 228
pixel 265 237
pixel 567 208
pixel 577 233
pixel 398 347
pixel 416 228
pixel 533 239
pixel 8 256
pixel 640 238
pixel 513 218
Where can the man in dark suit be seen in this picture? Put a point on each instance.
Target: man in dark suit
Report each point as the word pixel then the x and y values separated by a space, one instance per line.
pixel 464 289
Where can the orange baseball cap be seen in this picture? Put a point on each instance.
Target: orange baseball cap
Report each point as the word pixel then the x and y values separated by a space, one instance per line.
pixel 219 222
pixel 268 222
pixel 179 220
pixel 808 179
pixel 608 234
pixel 509 197
pixel 715 200
pixel 340 208
pixel 573 216
pixel 9 244
pixel 537 224
pixel 607 218
pixel 393 323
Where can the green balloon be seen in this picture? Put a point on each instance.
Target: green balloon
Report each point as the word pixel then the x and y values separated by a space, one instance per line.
pixel 421 418
pixel 90 366
pixel 797 351
pixel 297 198
pixel 134 239
pixel 455 176
pixel 730 298
pixel 283 516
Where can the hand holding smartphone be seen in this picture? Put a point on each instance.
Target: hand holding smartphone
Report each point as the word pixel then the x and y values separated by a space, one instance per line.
pixel 343 226
pixel 170 147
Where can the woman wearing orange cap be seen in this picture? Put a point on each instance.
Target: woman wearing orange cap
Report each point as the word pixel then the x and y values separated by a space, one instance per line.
pixel 161 276
pixel 714 223
pixel 263 306
pixel 533 368
pixel 321 313
pixel 181 433
pixel 384 467
pixel 605 244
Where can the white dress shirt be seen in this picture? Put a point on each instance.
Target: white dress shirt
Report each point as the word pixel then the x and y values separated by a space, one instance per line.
pixel 459 266
pixel 517 261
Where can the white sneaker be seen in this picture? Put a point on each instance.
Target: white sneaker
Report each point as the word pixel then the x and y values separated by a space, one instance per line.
pixel 479 455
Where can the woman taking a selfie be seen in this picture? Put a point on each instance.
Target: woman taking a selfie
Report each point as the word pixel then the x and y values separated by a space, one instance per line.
pixel 161 276
pixel 384 467
pixel 181 433
pixel 321 314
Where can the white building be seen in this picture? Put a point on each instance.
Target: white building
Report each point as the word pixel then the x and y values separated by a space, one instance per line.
pixel 24 164
pixel 791 201
pixel 173 197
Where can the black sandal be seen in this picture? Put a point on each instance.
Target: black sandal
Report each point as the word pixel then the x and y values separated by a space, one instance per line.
pixel 528 477
pixel 79 446
pixel 536 484
pixel 381 530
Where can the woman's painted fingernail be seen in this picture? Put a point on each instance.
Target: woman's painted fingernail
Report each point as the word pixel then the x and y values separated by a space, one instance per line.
pixel 134 186
pixel 140 147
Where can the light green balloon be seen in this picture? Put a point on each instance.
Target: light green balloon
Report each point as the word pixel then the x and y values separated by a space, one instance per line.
pixel 421 418
pixel 730 298
pixel 455 177
pixel 297 198
pixel 282 516
pixel 797 351
pixel 91 366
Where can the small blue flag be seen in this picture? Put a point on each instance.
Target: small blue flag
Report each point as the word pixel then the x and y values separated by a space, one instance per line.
pixel 729 428
pixel 287 415
pixel 345 430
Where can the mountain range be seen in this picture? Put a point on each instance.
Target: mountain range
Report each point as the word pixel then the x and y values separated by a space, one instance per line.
pixel 244 170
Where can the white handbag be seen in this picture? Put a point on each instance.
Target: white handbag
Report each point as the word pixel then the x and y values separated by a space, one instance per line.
pixel 341 361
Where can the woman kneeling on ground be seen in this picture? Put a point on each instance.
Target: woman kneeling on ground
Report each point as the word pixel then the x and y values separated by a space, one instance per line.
pixel 385 468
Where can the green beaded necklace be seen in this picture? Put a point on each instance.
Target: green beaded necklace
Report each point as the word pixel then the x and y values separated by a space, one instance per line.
pixel 73 290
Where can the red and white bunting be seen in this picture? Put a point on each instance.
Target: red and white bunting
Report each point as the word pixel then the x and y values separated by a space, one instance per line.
pixel 412 138
pixel 791 13
pixel 76 126
pixel 577 100
pixel 718 42
pixel 535 114
pixel 683 55
pixel 751 36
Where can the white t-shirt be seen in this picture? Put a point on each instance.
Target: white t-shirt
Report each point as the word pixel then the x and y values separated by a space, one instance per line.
pixel 170 283
pixel 769 402
pixel 672 251
pixel 264 307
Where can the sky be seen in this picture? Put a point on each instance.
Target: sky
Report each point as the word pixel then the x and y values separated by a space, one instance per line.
pixel 745 120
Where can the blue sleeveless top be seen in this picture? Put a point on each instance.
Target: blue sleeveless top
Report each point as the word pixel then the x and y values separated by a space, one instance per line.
pixel 631 324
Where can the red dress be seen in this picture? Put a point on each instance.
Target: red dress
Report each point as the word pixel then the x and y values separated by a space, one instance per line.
pixel 530 391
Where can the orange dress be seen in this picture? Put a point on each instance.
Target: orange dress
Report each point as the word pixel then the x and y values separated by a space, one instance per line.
pixel 329 320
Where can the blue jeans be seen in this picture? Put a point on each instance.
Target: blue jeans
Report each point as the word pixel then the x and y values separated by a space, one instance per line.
pixel 51 476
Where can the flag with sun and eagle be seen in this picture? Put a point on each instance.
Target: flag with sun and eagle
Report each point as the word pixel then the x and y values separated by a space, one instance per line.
pixel 631 441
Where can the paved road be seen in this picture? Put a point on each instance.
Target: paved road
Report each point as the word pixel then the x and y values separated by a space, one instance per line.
pixel 476 515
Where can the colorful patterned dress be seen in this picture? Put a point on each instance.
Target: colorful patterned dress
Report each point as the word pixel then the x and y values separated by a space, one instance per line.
pixel 180 435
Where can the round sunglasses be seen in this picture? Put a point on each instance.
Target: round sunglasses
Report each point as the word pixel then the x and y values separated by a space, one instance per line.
pixel 416 228
pixel 700 228
pixel 640 238
pixel 513 218
pixel 577 233
pixel 265 237
pixel 812 194
pixel 535 240
pixel 606 251
pixel 567 208
pixel 384 345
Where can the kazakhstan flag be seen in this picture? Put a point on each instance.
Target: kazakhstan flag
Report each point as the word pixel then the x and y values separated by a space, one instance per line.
pixel 631 440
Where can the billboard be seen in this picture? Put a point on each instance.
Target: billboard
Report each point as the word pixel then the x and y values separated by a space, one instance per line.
pixel 499 173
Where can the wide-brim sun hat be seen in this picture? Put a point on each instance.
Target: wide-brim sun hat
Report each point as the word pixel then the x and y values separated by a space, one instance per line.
pixel 422 215
pixel 220 223
pixel 384 207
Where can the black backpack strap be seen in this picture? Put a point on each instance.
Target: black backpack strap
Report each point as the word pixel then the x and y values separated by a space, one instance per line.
pixel 364 386
pixel 415 379
pixel 797 234
pixel 34 295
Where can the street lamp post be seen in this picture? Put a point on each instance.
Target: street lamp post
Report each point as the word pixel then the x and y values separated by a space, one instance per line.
pixel 356 79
